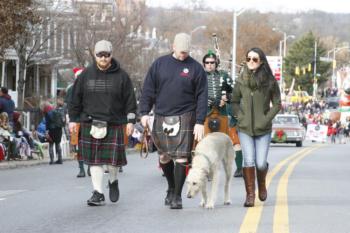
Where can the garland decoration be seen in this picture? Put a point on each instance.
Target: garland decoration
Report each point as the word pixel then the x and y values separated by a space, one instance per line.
pixel 280 136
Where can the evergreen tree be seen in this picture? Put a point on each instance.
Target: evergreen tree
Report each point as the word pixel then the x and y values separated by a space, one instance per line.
pixel 299 64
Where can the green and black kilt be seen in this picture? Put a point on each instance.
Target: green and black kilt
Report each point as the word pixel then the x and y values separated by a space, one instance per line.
pixel 178 146
pixel 107 151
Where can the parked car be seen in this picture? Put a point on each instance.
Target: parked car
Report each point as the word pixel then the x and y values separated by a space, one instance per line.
pixel 286 128
pixel 300 97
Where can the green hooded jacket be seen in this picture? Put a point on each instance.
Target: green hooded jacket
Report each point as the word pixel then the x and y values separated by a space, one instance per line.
pixel 252 103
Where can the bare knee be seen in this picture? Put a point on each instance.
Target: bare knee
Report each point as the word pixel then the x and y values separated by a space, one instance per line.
pixel 163 159
pixel 181 160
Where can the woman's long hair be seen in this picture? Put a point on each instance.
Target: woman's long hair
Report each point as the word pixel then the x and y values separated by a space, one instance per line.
pixel 263 74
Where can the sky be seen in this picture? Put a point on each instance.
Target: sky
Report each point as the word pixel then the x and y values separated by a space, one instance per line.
pixel 331 6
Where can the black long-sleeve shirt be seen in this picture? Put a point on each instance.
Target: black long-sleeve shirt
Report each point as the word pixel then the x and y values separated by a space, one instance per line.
pixel 175 87
pixel 103 95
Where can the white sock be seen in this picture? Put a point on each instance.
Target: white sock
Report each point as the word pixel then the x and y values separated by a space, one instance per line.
pixel 97 177
pixel 112 173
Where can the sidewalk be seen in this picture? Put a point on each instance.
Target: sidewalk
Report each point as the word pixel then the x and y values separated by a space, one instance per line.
pixel 34 162
pixel 25 163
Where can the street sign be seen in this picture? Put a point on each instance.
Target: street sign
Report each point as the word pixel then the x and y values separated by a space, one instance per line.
pixel 275 63
pixel 326 59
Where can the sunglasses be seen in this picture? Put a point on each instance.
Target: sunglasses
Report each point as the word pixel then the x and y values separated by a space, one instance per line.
pixel 209 62
pixel 254 59
pixel 103 54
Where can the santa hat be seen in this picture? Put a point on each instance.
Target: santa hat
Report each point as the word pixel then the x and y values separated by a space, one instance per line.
pixel 77 71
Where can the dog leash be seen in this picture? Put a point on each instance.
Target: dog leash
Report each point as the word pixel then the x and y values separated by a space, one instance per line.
pixel 144 143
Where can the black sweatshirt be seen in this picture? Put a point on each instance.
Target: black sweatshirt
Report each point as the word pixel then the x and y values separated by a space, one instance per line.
pixel 102 95
pixel 175 87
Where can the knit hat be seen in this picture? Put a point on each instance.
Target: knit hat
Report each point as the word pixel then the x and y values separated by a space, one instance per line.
pixel 103 46
pixel 77 71
pixel 182 42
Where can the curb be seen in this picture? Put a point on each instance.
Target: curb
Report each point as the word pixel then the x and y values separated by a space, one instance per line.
pixel 4 165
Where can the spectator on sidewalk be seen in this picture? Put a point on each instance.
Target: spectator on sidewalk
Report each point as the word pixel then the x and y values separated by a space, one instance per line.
pixel 54 124
pixel 6 137
pixel 6 104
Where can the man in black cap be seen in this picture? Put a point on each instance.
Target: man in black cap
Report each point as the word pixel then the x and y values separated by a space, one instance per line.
pixel 103 101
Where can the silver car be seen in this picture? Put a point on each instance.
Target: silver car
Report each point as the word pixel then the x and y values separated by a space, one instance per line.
pixel 286 128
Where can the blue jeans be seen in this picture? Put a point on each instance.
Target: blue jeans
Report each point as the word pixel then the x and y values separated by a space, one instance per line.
pixel 255 150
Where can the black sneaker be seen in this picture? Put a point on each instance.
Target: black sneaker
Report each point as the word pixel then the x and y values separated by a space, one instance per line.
pixel 176 203
pixel 113 191
pixel 169 196
pixel 59 162
pixel 97 199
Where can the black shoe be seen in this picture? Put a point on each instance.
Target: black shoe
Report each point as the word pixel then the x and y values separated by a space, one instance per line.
pixel 176 203
pixel 88 171
pixel 81 173
pixel 120 169
pixel 51 162
pixel 97 199
pixel 113 191
pixel 238 173
pixel 59 162
pixel 169 196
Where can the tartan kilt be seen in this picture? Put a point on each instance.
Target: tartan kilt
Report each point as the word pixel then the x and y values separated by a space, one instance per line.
pixel 109 150
pixel 178 146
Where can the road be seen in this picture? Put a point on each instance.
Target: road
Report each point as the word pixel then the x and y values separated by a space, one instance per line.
pixel 308 193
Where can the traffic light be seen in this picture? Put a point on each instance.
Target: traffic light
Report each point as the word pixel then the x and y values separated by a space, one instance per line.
pixel 297 70
pixel 309 67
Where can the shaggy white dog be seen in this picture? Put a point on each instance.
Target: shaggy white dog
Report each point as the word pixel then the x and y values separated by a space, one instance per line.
pixel 209 153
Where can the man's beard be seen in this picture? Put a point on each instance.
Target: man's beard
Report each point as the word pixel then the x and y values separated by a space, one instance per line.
pixel 103 65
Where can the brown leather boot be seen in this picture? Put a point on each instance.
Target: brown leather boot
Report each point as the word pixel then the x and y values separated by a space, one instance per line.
pixel 261 175
pixel 249 181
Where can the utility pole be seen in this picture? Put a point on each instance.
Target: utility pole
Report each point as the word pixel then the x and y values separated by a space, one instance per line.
pixel 234 39
pixel 315 80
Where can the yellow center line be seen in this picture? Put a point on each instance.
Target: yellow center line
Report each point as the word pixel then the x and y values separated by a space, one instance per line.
pixel 252 218
pixel 281 218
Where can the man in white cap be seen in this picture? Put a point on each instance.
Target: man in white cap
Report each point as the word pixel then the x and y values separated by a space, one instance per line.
pixel 103 101
pixel 177 85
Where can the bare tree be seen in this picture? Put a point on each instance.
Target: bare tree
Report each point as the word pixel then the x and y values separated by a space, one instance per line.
pixel 14 16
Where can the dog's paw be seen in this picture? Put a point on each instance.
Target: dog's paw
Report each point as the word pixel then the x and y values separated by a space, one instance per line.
pixel 227 202
pixel 202 204
pixel 209 206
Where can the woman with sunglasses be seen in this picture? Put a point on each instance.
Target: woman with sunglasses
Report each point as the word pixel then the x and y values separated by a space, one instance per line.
pixel 256 100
